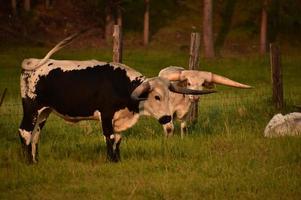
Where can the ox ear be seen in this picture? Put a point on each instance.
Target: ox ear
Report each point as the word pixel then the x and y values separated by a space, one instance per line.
pixel 140 92
pixel 183 90
pixel 228 82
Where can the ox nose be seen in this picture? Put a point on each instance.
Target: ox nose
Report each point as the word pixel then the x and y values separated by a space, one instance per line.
pixel 165 119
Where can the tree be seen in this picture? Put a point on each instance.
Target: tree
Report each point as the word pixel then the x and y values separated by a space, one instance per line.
pixel 119 14
pixel 277 8
pixel 109 20
pixel 207 29
pixel 27 5
pixel 113 15
pixel 226 12
pixel 146 23
pixel 263 28
pixel 14 6
pixel 48 4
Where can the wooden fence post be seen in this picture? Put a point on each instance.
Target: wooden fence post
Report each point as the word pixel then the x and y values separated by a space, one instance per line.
pixel 2 97
pixel 276 75
pixel 27 5
pixel 146 23
pixel 14 7
pixel 194 65
pixel 117 44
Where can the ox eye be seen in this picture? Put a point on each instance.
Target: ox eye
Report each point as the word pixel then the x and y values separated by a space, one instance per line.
pixel 189 84
pixel 157 98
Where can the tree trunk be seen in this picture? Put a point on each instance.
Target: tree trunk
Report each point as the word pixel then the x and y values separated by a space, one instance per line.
pixel 27 5
pixel 207 30
pixel 109 21
pixel 263 29
pixel 194 65
pixel 47 4
pixel 14 6
pixel 226 19
pixel 273 23
pixel 146 23
pixel 119 16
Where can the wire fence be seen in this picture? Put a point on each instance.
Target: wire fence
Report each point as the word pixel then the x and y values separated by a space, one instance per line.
pixel 230 101
pixel 225 99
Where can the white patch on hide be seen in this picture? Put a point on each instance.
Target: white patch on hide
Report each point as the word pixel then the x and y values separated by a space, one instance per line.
pixel 26 135
pixel 23 88
pixel 95 116
pixel 124 119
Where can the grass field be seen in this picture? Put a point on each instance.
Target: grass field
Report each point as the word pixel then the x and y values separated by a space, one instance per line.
pixel 225 155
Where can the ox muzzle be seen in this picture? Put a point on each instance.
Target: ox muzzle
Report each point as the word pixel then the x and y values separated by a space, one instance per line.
pixel 165 119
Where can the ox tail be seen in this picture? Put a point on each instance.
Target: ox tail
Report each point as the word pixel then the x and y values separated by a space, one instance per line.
pixel 31 63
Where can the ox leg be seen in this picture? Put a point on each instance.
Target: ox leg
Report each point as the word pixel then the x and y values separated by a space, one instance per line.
pixel 117 141
pixel 34 141
pixel 42 117
pixel 183 129
pixel 25 132
pixel 112 147
pixel 110 151
pixel 29 130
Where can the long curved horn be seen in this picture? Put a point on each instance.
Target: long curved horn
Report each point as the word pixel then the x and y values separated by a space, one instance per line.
pixel 174 73
pixel 225 81
pixel 171 73
pixel 178 73
pixel 182 90
pixel 144 87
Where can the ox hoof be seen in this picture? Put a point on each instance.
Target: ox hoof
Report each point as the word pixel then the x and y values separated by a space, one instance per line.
pixel 113 158
pixel 26 153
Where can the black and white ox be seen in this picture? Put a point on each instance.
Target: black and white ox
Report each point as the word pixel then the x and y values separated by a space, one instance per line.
pixel 181 105
pixel 112 93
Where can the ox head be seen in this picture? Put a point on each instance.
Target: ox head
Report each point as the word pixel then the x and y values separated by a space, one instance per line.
pixel 197 80
pixel 153 97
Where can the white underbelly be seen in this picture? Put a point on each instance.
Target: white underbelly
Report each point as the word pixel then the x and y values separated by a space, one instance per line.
pixel 122 120
pixel 95 116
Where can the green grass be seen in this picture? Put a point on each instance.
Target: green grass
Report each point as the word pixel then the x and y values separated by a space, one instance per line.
pixel 225 155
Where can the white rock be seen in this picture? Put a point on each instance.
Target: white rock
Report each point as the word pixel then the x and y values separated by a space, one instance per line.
pixel 283 125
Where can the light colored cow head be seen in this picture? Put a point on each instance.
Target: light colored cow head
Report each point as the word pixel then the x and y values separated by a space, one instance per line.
pixel 153 95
